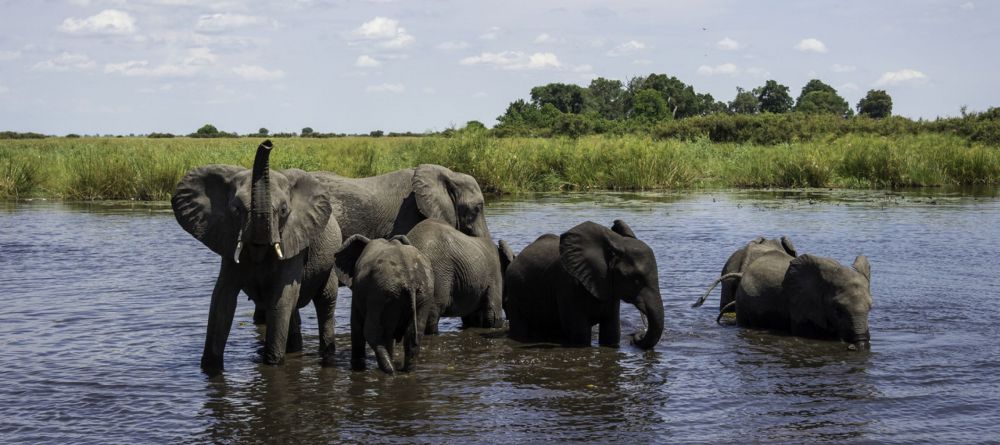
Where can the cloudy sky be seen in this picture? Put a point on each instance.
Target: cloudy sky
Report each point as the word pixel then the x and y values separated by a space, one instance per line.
pixel 136 66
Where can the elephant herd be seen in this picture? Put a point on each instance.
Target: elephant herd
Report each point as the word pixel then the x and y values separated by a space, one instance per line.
pixel 414 246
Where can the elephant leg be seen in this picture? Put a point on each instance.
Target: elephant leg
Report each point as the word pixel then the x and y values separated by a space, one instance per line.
pixel 294 343
pixel 610 332
pixel 432 322
pixel 259 315
pixel 357 334
pixel 326 305
pixel 220 317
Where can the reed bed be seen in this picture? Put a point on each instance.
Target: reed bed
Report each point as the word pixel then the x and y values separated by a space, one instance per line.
pixel 149 169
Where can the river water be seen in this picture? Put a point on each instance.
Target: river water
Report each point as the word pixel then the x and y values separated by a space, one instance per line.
pixel 105 304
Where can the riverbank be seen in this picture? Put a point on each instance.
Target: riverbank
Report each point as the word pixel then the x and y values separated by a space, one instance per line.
pixel 148 169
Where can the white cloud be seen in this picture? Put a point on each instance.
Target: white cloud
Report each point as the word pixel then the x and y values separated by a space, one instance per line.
pixel 492 34
pixel 366 61
pixel 480 94
pixel 630 47
pixel 141 68
pixel 386 88
pixel 66 62
pixel 190 64
pixel 543 38
pixel 758 72
pixel 452 46
pixel 226 21
pixel 109 21
pixel 385 31
pixel 9 55
pixel 514 60
pixel 725 68
pixel 810 45
pixel 849 86
pixel 904 76
pixel 583 69
pixel 968 6
pixel 642 62
pixel 257 72
pixel 838 68
pixel 4 90
pixel 728 44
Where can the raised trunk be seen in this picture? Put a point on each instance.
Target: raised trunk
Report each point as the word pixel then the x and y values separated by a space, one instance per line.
pixel 650 305
pixel 262 227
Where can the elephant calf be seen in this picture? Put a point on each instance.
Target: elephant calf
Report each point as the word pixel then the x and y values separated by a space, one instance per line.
pixel 808 296
pixel 559 287
pixel 392 286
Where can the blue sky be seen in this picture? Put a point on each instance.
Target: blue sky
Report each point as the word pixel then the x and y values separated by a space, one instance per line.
pixel 137 66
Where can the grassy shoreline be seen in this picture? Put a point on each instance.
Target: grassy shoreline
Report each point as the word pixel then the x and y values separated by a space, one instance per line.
pixel 148 169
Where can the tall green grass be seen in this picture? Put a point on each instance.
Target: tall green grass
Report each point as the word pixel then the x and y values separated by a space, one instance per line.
pixel 149 169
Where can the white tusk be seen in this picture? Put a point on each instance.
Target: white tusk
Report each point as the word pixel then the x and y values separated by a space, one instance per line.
pixel 239 247
pixel 277 250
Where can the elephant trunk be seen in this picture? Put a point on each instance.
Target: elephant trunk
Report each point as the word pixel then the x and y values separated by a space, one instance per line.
pixel 261 214
pixel 859 336
pixel 384 358
pixel 650 305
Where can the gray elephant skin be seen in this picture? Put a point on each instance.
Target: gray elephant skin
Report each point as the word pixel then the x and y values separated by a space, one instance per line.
pixel 468 277
pixel 739 260
pixel 808 296
pixel 559 287
pixel 277 241
pixel 393 287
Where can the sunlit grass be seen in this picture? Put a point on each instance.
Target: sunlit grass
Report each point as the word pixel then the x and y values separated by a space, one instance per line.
pixel 148 169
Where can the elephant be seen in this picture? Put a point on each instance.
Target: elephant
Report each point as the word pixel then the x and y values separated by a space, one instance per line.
pixel 738 261
pixel 391 204
pixel 808 296
pixel 468 281
pixel 277 239
pixel 393 286
pixel 559 287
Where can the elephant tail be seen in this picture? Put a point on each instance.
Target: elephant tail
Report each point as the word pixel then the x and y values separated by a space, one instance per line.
pixel 731 305
pixel 701 300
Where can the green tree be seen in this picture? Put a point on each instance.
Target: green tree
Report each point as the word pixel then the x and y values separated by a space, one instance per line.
pixel 773 97
pixel 680 97
pixel 876 104
pixel 307 132
pixel 818 97
pixel 607 98
pixel 567 98
pixel 519 114
pixel 376 133
pixel 475 126
pixel 262 132
pixel 207 130
pixel 649 105
pixel 745 102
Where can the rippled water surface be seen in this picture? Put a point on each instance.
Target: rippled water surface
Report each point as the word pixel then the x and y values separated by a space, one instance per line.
pixel 104 309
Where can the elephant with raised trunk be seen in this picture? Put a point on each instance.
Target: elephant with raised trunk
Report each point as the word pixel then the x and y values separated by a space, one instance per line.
pixel 392 287
pixel 277 241
pixel 808 296
pixel 559 287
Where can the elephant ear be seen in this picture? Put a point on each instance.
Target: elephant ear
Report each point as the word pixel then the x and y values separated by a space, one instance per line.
pixel 402 240
pixel 789 247
pixel 346 259
pixel 861 265
pixel 201 206
pixel 622 229
pixel 434 192
pixel 506 255
pixel 309 211
pixel 586 253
